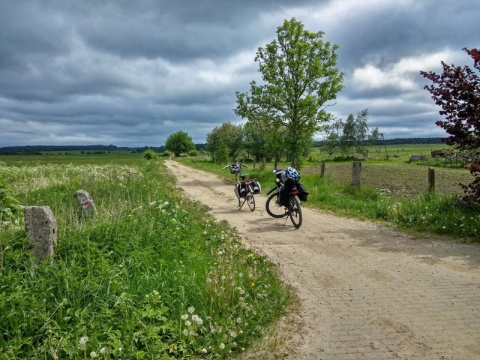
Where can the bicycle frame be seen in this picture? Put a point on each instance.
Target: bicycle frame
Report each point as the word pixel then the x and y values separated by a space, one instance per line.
pixel 249 197
pixel 292 210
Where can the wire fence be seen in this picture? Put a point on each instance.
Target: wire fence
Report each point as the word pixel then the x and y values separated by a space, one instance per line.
pixel 395 179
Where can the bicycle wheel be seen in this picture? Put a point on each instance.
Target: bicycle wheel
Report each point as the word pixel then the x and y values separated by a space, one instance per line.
pixel 295 211
pixel 273 207
pixel 251 201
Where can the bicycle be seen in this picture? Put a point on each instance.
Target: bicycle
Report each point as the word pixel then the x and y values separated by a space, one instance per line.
pixel 286 186
pixel 245 188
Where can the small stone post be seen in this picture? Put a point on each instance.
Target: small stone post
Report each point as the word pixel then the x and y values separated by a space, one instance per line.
pixel 357 168
pixel 41 229
pixel 322 168
pixel 264 163
pixel 86 201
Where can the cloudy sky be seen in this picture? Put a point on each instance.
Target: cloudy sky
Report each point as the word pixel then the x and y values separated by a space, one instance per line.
pixel 130 73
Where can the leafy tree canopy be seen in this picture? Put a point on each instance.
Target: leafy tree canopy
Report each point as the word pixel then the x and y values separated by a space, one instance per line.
pixel 179 143
pixel 228 136
pixel 300 76
pixel 457 91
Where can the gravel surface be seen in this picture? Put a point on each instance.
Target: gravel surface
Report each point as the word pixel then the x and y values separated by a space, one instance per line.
pixel 365 291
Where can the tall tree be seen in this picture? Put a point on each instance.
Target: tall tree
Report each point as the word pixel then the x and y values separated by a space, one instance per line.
pixel 355 138
pixel 457 91
pixel 232 137
pixel 179 143
pixel 301 75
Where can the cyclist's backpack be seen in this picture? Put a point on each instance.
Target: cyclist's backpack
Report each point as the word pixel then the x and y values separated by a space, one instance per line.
pixel 302 192
pixel 234 169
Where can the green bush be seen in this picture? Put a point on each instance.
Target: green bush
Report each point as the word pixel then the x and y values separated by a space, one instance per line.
pixel 150 154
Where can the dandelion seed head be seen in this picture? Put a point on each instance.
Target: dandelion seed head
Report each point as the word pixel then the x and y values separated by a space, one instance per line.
pixel 197 319
pixel 191 309
pixel 93 355
pixel 83 340
pixel 222 346
pixel 184 316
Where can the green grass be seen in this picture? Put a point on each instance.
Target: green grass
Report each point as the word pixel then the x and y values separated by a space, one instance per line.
pixel 391 191
pixel 152 276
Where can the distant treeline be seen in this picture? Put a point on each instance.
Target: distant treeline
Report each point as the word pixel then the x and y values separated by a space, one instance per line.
pixel 404 141
pixel 97 149
pixel 101 149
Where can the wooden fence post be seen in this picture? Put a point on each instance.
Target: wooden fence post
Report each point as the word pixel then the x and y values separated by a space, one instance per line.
pixel 322 168
pixel 431 179
pixel 357 167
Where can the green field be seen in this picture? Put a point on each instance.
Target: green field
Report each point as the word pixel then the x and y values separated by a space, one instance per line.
pixel 154 275
pixel 151 276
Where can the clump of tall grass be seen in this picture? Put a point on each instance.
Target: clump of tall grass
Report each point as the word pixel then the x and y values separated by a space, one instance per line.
pixel 151 276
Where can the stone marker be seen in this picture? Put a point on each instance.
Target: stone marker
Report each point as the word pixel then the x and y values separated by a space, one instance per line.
pixel 86 201
pixel 41 229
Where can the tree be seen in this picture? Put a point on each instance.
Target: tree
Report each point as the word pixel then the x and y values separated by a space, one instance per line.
pixel 350 137
pixel 179 143
pixel 232 137
pixel 457 91
pixel 332 138
pixel 300 74
pixel 264 141
pixel 354 136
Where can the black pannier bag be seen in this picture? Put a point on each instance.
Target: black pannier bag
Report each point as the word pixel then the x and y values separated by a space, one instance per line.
pixel 302 192
pixel 256 187
pixel 284 196
pixel 242 189
pixel 234 169
pixel 284 193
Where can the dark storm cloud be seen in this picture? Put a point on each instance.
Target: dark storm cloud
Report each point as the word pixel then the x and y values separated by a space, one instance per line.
pixel 130 73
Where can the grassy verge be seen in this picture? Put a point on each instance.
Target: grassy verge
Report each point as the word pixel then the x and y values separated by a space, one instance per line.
pixel 421 212
pixel 152 276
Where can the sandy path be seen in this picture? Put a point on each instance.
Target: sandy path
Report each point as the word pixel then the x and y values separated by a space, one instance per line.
pixel 366 291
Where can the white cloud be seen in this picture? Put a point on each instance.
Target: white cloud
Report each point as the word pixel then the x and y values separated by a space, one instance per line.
pixel 400 75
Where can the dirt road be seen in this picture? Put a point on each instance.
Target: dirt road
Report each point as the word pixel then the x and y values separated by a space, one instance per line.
pixel 366 291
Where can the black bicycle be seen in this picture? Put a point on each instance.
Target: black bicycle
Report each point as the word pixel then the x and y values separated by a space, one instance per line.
pixel 244 188
pixel 283 200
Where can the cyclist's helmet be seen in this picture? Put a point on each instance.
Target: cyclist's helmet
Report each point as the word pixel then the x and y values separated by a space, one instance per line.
pixel 292 174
